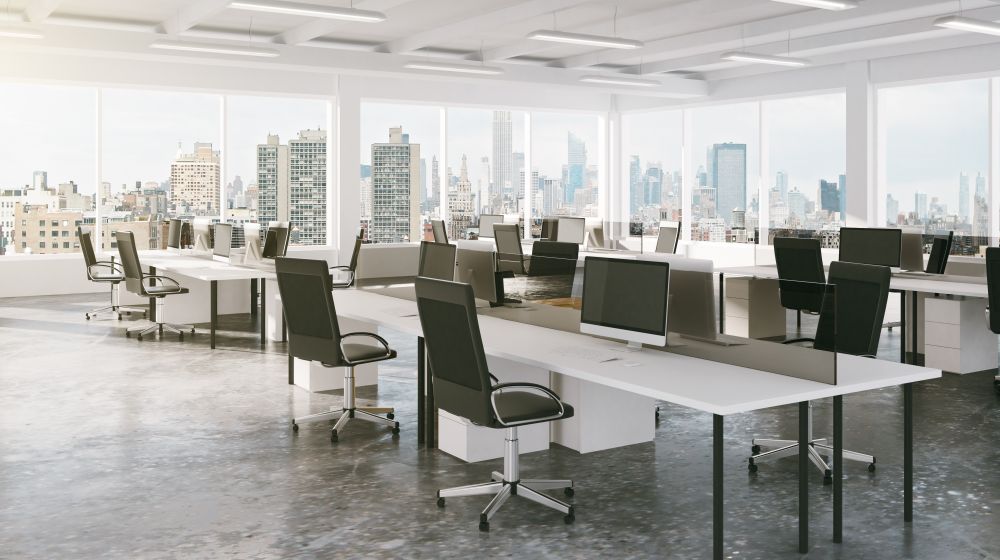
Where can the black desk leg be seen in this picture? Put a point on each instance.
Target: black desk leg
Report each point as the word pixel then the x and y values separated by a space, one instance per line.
pixel 914 327
pixel 432 412
pixel 215 309
pixel 803 477
pixel 253 296
pixel 263 312
pixel 908 452
pixel 420 389
pixel 722 303
pixel 838 469
pixel 291 370
pixel 902 327
pixel 152 301
pixel 717 490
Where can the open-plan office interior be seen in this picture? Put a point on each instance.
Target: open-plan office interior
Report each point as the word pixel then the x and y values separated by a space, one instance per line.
pixel 499 278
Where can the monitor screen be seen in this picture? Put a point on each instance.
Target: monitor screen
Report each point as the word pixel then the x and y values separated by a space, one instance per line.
pixel 223 240
pixel 174 234
pixel 626 295
pixel 878 246
pixel 477 267
pixel 437 260
pixel 571 230
pixel 486 222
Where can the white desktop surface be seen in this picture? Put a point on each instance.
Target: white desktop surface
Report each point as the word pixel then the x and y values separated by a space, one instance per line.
pixel 700 384
pixel 201 266
pixel 929 284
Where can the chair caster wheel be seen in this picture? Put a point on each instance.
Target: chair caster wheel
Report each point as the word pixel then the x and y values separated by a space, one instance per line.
pixel 395 430
pixel 755 449
pixel 568 491
pixel 88 316
pixel 390 416
pixel 441 502
pixel 827 478
pixel 128 334
pixel 484 526
pixel 295 427
pixel 139 337
pixel 569 517
pixel 752 467
pixel 871 467
pixel 333 436
pixel 192 330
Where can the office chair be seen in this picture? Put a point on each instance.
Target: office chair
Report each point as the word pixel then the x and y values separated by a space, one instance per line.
pixel 850 322
pixel 464 386
pixel 553 258
pixel 799 261
pixel 667 237
pixel 937 262
pixel 993 289
pixel 135 282
pixel 508 240
pixel 314 335
pixel 550 229
pixel 440 231
pixel 112 274
pixel 350 269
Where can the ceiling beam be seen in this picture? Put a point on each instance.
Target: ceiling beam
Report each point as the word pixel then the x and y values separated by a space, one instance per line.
pixel 318 27
pixel 37 10
pixel 476 24
pixel 191 15
pixel 774 29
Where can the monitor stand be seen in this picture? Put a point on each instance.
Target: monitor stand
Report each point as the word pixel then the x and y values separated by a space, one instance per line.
pixel 633 346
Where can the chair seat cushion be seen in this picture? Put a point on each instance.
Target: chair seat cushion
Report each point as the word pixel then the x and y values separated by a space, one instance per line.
pixel 165 290
pixel 363 353
pixel 515 405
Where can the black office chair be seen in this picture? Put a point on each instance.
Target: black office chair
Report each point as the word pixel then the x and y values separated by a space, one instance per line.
pixel 464 386
pixel 135 282
pixel 509 251
pixel 993 289
pixel 553 258
pixel 350 269
pixel 104 272
pixel 440 231
pixel 667 237
pixel 937 262
pixel 314 335
pixel 800 274
pixel 850 322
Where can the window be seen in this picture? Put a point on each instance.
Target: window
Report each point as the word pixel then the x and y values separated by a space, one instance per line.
pixel 651 147
pixel 403 179
pixel 564 154
pixel 935 166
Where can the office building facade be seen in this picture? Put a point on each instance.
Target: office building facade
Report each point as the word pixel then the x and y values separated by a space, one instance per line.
pixel 195 181
pixel 395 189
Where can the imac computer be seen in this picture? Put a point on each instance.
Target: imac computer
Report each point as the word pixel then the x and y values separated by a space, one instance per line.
pixel 251 234
pixel 437 260
pixel 203 234
pixel 174 234
pixel 571 230
pixel 486 222
pixel 666 240
pixel 626 299
pixel 223 242
pixel 440 233
pixel 878 246
pixel 479 268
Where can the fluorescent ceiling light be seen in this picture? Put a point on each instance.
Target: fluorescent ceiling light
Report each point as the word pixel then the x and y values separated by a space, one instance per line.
pixel 581 39
pixel 457 68
pixel 620 81
pixel 20 33
pixel 310 10
pixel 823 4
pixel 969 24
pixel 765 59
pixel 214 49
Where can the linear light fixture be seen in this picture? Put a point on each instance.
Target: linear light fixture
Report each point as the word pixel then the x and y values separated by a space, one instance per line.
pixel 20 33
pixel 739 56
pixel 309 10
pixel 554 36
pixel 620 81
pixel 969 24
pixel 457 68
pixel 213 48
pixel 823 4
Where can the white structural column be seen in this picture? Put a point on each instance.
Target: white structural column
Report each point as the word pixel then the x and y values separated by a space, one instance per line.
pixel 223 155
pixel 609 184
pixel 99 172
pixel 332 208
pixel 347 123
pixel 865 182
pixel 529 184
pixel 994 172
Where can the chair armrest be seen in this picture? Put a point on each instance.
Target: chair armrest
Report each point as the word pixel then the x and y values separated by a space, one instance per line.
pixel 115 267
pixel 367 334
pixel 341 267
pixel 797 340
pixel 160 277
pixel 523 385
pixel 349 282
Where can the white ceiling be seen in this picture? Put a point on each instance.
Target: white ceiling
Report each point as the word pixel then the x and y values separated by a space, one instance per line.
pixel 681 36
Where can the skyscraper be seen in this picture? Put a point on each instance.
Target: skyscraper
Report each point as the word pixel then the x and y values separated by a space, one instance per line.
pixel 395 187
pixel 272 181
pixel 781 182
pixel 460 206
pixel 576 166
pixel 728 174
pixel 963 197
pixel 842 183
pixel 503 164
pixel 891 210
pixel 40 180
pixel 195 181
pixel 829 196
pixel 307 186
pixel 654 184
pixel 635 184
pixel 920 205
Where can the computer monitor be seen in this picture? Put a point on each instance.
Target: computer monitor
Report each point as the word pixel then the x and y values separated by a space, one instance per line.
pixel 692 295
pixel 251 234
pixel 571 230
pixel 440 232
pixel 940 249
pixel 486 222
pixel 911 251
pixel 666 240
pixel 626 299
pixel 479 268
pixel 203 234
pixel 437 260
pixel 223 242
pixel 275 242
pixel 174 234
pixel 878 246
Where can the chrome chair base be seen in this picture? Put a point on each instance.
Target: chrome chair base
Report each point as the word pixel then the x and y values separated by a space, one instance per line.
pixel 509 483
pixel 114 308
pixel 348 411
pixel 159 326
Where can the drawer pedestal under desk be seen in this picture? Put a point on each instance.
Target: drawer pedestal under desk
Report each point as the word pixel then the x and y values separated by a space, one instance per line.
pixel 753 308
pixel 957 338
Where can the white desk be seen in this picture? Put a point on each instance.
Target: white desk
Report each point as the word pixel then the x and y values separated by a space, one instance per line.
pixel 718 389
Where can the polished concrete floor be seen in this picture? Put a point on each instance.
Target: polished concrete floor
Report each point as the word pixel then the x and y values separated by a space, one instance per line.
pixel 114 448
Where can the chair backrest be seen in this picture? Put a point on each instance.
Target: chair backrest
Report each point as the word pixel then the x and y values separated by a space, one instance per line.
pixel 940 249
pixel 440 232
pixel 667 238
pixel 130 262
pixel 355 254
pixel 851 320
pixel 437 260
pixel 87 248
pixel 993 286
pixel 455 349
pixel 508 240
pixel 307 298
pixel 553 258
pixel 550 228
pixel 799 261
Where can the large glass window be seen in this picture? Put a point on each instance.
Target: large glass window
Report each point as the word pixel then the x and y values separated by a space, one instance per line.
pixel 806 190
pixel 564 153
pixel 935 141
pixel 276 164
pixel 403 179
pixel 651 146
pixel 47 166
pixel 725 152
